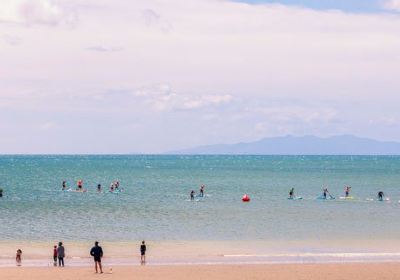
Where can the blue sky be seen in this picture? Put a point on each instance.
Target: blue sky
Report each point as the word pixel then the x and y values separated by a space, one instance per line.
pixel 149 76
pixel 345 5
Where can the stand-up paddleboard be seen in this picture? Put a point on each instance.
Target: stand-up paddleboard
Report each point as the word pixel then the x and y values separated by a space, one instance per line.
pixel 377 199
pixel 295 198
pixel 346 198
pixel 115 191
pixel 384 199
pixel 328 197
pixel 195 200
pixel 76 191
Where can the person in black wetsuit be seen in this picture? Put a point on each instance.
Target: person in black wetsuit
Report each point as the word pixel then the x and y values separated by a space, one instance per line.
pixel 64 185
pixel 143 253
pixel 291 193
pixel 380 195
pixel 97 253
pixel 192 195
pixel 325 192
pixel 99 187
pixel 202 190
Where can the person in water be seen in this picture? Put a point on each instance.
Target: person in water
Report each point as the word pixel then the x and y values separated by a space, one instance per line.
pixel 64 185
pixel 97 253
pixel 192 195
pixel 347 191
pixel 202 190
pixel 116 184
pixel 380 195
pixel 143 253
pixel 80 185
pixel 112 187
pixel 99 187
pixel 291 193
pixel 1 192
pixel 325 193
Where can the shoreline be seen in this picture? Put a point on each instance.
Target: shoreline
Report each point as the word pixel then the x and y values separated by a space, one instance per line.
pixel 166 253
pixel 229 272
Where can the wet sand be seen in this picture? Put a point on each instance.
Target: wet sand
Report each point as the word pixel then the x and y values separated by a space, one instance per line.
pixel 363 271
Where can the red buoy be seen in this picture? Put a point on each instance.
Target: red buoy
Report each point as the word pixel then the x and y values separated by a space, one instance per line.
pixel 246 198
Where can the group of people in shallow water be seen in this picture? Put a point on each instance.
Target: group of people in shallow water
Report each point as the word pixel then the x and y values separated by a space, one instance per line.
pixel 201 192
pixel 325 193
pixel 114 187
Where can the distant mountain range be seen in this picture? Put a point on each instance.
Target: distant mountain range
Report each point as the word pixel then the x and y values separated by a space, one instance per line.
pixel 305 145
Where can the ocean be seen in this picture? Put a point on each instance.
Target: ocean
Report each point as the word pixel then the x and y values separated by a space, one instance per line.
pixel 155 205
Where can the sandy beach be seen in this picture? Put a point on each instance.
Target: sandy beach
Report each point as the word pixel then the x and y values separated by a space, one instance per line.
pixel 229 272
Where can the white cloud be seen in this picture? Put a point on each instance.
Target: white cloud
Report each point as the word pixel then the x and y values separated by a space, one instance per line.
pixel 161 97
pixel 298 114
pixel 392 5
pixel 12 40
pixel 49 125
pixel 104 49
pixel 34 12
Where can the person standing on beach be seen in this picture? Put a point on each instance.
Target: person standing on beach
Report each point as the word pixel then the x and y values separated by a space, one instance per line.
pixel 55 254
pixel 97 253
pixel 18 257
pixel 143 253
pixel 60 254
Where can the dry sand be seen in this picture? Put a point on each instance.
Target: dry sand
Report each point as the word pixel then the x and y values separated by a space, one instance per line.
pixel 364 271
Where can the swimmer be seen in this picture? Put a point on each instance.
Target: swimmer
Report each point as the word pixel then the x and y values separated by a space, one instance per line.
pixel 64 185
pixel 192 195
pixel 380 196
pixel 347 191
pixel 202 190
pixel 112 187
pixel 116 184
pixel 291 193
pixel 98 187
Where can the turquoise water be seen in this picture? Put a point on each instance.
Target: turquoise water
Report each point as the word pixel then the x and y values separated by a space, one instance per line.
pixel 154 204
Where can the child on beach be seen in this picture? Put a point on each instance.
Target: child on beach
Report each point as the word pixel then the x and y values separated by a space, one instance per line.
pixel 143 253
pixel 55 255
pixel 18 257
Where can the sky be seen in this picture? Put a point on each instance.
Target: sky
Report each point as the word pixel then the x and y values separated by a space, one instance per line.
pixel 149 76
